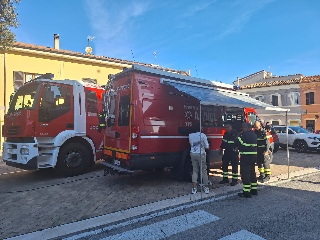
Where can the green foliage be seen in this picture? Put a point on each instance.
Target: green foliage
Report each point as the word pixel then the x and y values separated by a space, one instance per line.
pixel 8 20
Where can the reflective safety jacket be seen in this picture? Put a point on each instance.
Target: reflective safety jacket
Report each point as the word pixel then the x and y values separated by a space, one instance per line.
pixel 228 140
pixel 102 121
pixel 263 140
pixel 247 143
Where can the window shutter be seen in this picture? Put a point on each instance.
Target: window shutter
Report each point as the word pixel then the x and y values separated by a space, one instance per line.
pixel 307 99
pixel 311 97
pixel 17 79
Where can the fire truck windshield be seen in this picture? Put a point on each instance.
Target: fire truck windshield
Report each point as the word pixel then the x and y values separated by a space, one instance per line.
pixel 24 98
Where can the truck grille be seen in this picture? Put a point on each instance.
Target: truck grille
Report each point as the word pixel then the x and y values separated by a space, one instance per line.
pixel 13 130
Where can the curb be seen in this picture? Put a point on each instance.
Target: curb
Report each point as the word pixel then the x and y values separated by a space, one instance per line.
pixel 107 219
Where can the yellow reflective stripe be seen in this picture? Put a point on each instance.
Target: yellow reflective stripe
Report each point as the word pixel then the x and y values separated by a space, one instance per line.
pixel 246 144
pixel 254 184
pixel 246 185
pixel 224 140
pixel 246 190
pixel 252 153
pixel 262 146
pixel 254 188
pixel 230 141
pixel 261 138
pixel 268 136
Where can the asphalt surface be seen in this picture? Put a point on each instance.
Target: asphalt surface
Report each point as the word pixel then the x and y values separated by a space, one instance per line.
pixel 287 210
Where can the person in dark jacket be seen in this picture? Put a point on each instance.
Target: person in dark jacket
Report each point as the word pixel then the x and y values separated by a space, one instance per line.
pixel 229 155
pixel 102 121
pixel 247 145
pixel 264 153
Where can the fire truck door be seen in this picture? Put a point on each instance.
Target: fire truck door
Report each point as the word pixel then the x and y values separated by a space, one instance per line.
pixel 122 126
pixel 55 110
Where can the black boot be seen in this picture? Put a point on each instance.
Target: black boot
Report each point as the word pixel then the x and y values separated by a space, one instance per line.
pixel 224 180
pixel 245 194
pixel 266 178
pixel 254 192
pixel 234 182
pixel 261 177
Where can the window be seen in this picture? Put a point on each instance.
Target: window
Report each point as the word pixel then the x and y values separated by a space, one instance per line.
pixel 295 98
pixel 310 98
pixel 275 123
pixel 25 98
pixel 275 100
pixel 310 125
pixel 19 78
pixel 92 109
pixel 89 80
pixel 212 116
pixel 253 118
pixel 124 111
pixel 55 101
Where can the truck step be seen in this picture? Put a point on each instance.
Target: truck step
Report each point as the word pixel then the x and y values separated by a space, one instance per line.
pixel 117 168
pixel 45 154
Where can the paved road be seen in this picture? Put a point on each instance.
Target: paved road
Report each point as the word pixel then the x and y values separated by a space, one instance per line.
pixel 288 210
pixel 35 200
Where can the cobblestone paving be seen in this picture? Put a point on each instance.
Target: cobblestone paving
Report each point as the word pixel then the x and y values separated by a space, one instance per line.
pixel 35 200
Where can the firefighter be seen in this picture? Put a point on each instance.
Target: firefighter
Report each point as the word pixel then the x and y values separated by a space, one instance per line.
pixel 264 154
pixel 229 155
pixel 102 121
pixel 247 145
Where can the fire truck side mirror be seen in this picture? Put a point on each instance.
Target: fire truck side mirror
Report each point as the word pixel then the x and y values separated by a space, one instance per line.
pixel 50 97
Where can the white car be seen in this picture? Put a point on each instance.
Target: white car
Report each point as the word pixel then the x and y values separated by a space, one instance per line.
pixel 298 138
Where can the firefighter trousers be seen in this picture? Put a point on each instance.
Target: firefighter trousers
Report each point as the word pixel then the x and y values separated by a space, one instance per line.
pixel 247 171
pixel 230 156
pixel 263 162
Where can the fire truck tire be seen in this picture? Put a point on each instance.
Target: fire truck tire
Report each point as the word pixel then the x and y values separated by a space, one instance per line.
pixel 73 159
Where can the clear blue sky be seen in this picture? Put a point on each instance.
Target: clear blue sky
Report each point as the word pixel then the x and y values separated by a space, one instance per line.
pixel 219 40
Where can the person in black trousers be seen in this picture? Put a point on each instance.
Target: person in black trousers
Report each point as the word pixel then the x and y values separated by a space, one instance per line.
pixel 229 155
pixel 247 145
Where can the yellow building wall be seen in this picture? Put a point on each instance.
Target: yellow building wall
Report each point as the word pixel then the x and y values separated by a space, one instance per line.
pixel 61 67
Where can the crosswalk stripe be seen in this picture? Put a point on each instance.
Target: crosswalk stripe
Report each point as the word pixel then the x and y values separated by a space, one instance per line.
pixel 166 228
pixel 242 235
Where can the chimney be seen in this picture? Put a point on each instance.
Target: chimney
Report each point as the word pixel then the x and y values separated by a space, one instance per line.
pixel 56 41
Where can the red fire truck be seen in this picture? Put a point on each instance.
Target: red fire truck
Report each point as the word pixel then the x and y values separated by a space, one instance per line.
pixel 53 124
pixel 148 121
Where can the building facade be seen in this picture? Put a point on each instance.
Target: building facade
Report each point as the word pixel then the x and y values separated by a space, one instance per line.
pixel 310 102
pixel 281 91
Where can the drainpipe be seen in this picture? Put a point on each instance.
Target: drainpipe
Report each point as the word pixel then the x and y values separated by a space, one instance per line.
pixel 4 83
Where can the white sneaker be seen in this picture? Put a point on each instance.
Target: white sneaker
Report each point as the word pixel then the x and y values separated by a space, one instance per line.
pixel 194 190
pixel 206 190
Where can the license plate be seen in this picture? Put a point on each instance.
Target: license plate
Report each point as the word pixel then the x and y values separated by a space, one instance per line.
pixel 116 162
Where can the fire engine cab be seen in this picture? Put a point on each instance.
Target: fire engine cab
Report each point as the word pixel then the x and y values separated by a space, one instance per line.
pixel 53 124
pixel 150 114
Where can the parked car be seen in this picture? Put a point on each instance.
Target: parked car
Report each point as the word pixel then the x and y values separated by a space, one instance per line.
pixel 275 139
pixel 298 138
pixel 317 132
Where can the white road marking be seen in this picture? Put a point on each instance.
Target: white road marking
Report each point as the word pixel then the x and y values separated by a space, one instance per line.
pixel 243 235
pixel 167 227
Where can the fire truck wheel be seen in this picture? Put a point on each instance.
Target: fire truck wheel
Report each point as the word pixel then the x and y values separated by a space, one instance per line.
pixel 73 159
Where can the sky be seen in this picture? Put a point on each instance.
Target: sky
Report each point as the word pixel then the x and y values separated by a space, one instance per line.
pixel 218 40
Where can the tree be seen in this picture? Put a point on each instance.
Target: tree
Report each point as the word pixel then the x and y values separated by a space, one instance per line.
pixel 8 20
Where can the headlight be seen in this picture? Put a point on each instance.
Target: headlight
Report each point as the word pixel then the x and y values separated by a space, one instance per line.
pixel 24 151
